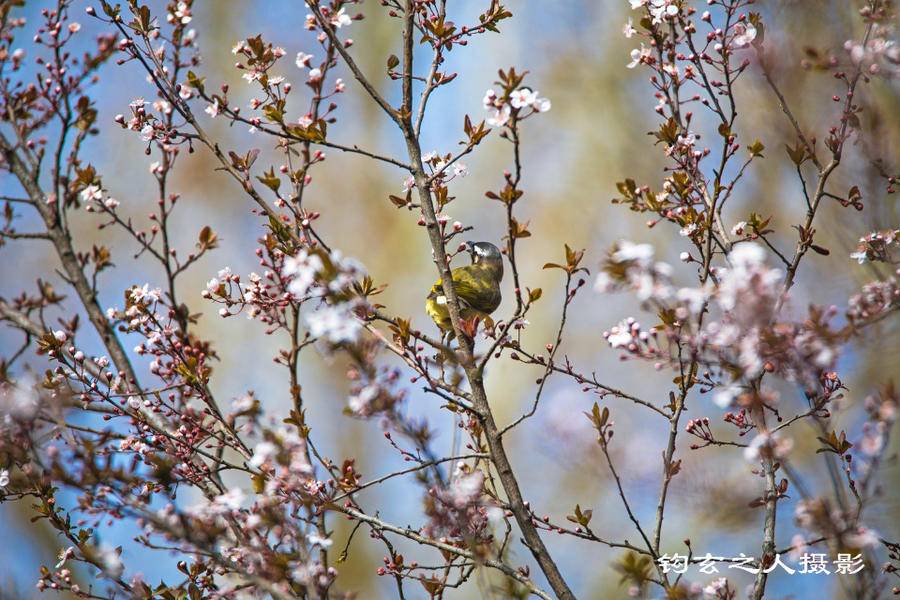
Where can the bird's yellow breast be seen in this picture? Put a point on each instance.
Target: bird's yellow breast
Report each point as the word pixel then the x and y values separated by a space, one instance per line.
pixel 477 288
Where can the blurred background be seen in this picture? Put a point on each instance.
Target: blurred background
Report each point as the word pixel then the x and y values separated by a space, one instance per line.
pixel 595 135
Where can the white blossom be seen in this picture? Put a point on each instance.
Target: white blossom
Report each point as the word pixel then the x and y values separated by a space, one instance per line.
pixel 183 13
pixel 336 323
pixel 663 9
pixel 111 562
pixel 263 454
pixel 341 18
pixel 147 132
pixel 712 590
pixel 91 192
pixel 213 109
pixel 637 55
pixel 302 270
pixel 317 540
pixel 359 402
pixel 723 398
pixel 745 33
pixel 466 489
pixel 620 335
pixel 490 97
pixel 628 250
pixel 522 97
pixel 499 117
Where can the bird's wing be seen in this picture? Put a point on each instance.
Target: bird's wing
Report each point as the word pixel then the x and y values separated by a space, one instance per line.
pixel 470 285
pixel 467 289
pixel 464 291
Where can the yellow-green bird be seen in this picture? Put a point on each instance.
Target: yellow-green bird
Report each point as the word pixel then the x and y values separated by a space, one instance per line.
pixel 477 286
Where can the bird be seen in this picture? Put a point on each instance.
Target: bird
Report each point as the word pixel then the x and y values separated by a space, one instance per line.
pixel 477 287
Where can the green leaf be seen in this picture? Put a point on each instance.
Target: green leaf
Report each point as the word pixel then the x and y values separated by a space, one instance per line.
pixel 274 114
pixel 195 82
pixel 270 180
pixel 756 149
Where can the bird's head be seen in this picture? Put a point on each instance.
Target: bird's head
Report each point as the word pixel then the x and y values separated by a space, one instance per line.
pixel 487 254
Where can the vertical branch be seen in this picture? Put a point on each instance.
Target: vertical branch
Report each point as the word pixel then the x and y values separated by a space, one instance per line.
pixel 474 376
pixel 771 511
pixel 74 274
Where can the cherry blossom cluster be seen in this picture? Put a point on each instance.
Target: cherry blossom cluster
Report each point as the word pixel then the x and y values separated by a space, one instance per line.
pixel 150 125
pixel 630 267
pixel 376 395
pixel 264 297
pixel 881 410
pixel 768 445
pixel 877 246
pixel 460 511
pixel 520 103
pixel 880 54
pixel 329 280
pixel 876 299
pixel 747 338
pixel 20 402
pixel 819 517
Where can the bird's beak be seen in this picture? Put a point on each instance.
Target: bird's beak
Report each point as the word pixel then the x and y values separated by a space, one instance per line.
pixel 470 247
